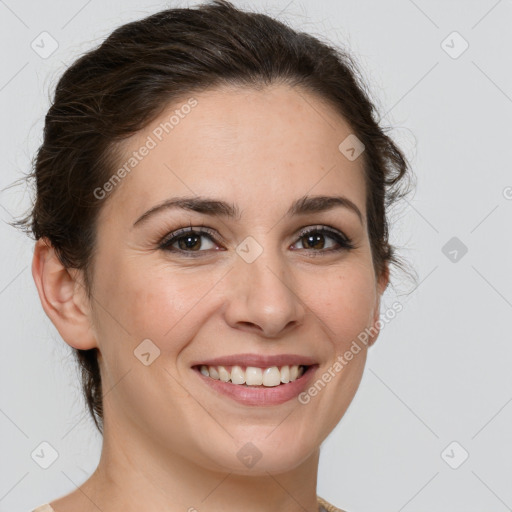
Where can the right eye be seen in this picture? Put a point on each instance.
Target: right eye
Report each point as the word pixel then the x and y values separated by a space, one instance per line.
pixel 188 240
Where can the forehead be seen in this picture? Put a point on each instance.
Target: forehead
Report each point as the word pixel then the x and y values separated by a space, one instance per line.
pixel 239 142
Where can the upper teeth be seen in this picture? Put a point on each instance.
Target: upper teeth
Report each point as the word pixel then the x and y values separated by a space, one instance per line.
pixel 254 376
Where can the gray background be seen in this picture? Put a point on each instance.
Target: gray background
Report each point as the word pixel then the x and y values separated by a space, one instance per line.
pixel 440 371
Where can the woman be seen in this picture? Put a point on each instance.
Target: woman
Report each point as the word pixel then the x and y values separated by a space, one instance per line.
pixel 212 242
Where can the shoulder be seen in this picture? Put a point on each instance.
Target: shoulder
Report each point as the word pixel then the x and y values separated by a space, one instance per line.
pixel 323 504
pixel 44 508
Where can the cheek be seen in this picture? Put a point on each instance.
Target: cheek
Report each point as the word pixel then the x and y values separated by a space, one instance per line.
pixel 134 302
pixel 160 303
pixel 345 303
pixel 157 303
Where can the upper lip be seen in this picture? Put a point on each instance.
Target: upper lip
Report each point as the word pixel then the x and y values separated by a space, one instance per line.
pixel 258 360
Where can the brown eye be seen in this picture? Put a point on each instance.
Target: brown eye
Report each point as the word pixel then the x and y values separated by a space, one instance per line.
pixel 317 239
pixel 314 241
pixel 192 242
pixel 188 241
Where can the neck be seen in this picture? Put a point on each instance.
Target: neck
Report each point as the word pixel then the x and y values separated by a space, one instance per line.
pixel 135 474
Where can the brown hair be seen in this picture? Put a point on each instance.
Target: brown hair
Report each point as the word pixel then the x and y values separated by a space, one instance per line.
pixel 117 89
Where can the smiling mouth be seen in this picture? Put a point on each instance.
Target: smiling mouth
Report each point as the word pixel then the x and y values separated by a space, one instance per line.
pixel 253 376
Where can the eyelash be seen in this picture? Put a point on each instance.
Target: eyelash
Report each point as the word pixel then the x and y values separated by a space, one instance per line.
pixel 167 242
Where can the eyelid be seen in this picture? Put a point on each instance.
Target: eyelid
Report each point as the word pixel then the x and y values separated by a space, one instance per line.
pixel 323 229
pixel 199 229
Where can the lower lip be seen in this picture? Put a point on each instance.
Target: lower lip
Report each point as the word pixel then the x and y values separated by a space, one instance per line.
pixel 261 395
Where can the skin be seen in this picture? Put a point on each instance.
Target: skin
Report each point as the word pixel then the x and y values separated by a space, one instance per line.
pixel 170 442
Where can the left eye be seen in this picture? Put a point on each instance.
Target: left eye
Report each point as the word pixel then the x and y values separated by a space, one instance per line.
pixel 189 240
pixel 313 237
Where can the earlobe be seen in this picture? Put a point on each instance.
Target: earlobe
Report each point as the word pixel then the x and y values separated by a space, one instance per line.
pixel 381 288
pixel 383 279
pixel 62 297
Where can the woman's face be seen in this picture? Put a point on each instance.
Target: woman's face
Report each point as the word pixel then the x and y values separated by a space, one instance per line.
pixel 252 284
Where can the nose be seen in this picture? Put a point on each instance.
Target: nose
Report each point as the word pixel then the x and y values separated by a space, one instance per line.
pixel 263 297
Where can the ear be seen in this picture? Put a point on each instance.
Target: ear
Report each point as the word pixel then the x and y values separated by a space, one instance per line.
pixel 63 297
pixel 382 284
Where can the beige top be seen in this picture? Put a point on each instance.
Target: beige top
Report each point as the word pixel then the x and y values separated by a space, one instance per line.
pixel 44 508
pixel 323 506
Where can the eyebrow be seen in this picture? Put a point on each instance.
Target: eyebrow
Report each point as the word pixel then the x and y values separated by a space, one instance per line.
pixel 214 207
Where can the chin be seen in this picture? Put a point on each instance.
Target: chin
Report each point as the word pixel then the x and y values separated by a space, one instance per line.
pixel 258 457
